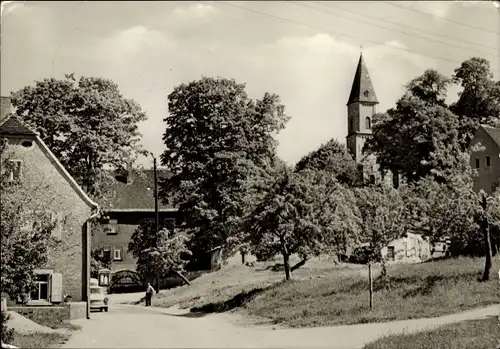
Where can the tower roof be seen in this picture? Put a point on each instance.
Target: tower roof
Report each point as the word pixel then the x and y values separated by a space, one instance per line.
pixel 362 88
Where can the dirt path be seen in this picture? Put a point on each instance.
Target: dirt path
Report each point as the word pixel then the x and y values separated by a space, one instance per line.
pixel 128 326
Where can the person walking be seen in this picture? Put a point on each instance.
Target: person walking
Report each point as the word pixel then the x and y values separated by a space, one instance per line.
pixel 149 294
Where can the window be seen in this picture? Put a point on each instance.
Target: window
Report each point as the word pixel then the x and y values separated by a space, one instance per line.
pixel 117 254
pixel 27 143
pixel 488 163
pixel 390 252
pixel 41 292
pixel 368 123
pixel 367 93
pixel 111 227
pixel 477 163
pixel 15 167
pixel 106 253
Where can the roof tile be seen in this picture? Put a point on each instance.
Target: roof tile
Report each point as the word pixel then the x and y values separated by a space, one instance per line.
pixel 494 133
pixel 13 126
pixel 139 193
pixel 362 89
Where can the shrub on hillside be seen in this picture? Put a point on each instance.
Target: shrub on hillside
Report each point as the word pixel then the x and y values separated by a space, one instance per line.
pixel 7 333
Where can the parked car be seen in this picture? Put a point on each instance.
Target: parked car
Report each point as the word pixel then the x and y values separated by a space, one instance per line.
pixel 98 297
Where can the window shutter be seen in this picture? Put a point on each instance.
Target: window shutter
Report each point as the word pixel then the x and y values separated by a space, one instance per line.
pixel 56 288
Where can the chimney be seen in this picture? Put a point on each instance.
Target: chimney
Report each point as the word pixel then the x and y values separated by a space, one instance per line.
pixel 5 107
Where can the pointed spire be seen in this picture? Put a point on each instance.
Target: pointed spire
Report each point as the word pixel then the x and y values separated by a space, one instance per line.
pixel 362 89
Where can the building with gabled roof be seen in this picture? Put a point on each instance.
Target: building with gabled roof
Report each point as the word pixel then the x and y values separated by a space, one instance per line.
pixel 485 158
pixel 131 201
pixel 53 190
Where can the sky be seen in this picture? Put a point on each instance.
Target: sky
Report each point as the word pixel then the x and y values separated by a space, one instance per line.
pixel 306 52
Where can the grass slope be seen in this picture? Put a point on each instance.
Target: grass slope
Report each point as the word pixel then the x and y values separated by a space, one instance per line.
pixel 39 340
pixel 421 290
pixel 325 295
pixel 478 334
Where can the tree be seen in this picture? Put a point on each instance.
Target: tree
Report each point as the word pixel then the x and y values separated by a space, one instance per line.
pixel 383 219
pixel 98 261
pixel 453 209
pixel 431 87
pixel 87 125
pixel 420 135
pixel 334 158
pixel 303 213
pixel 479 101
pixel 25 235
pixel 216 139
pixel 490 219
pixel 158 254
pixel 437 210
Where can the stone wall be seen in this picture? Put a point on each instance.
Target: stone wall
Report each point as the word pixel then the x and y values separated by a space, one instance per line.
pixel 52 316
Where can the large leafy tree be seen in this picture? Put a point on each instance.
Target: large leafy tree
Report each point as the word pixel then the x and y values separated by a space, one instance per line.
pixel 440 210
pixel 87 124
pixel 305 213
pixel 479 101
pixel 452 209
pixel 217 139
pixel 420 136
pixel 383 218
pixel 25 235
pixel 334 158
pixel 158 254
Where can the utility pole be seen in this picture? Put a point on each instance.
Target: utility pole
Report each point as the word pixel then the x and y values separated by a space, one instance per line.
pixel 157 216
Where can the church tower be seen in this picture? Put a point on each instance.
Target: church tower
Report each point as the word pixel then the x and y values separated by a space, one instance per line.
pixel 361 107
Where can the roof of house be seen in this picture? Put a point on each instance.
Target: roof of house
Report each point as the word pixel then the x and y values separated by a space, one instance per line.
pixel 493 132
pixel 362 89
pixel 13 126
pixel 138 194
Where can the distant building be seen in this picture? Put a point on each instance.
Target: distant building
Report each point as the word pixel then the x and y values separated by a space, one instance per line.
pixel 361 107
pixel 67 271
pixel 486 159
pixel 132 201
pixel 411 248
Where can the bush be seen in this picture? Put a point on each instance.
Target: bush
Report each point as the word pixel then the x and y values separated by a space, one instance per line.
pixel 7 334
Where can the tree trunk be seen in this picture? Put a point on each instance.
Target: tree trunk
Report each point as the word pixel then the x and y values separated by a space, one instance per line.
pixel 487 242
pixel 186 281
pixel 286 262
pixel 384 275
pixel 299 264
pixel 370 280
pixel 489 256
pixel 243 259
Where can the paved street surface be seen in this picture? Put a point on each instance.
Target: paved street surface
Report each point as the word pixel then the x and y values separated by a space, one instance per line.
pixel 127 326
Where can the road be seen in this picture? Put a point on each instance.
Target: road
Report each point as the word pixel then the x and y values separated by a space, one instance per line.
pixel 127 326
